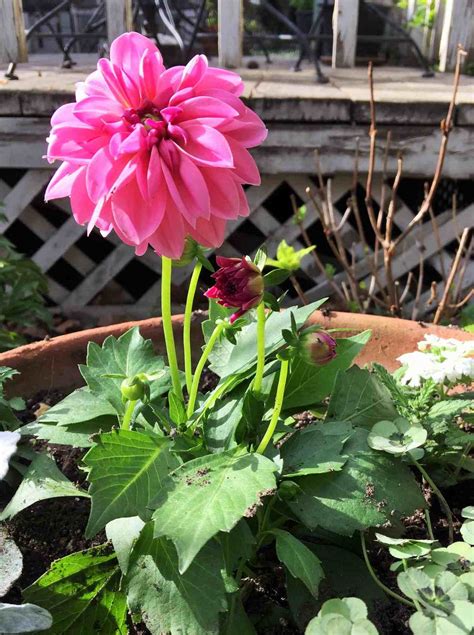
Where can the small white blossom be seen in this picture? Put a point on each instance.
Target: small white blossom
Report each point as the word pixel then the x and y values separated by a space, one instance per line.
pixel 441 360
pixel 8 443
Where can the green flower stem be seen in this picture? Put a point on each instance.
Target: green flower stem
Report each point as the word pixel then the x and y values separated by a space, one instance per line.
pixel 200 367
pixel 441 498
pixel 277 408
pixel 429 526
pixel 374 577
pixel 127 417
pixel 257 383
pixel 166 269
pixel 188 313
pixel 464 456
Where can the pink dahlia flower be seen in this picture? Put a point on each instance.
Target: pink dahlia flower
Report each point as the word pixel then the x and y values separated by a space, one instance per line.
pixel 239 284
pixel 155 154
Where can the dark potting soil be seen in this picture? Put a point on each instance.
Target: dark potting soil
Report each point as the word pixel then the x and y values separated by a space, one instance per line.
pixel 52 529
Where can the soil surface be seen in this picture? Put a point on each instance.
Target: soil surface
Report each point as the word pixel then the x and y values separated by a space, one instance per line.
pixel 53 529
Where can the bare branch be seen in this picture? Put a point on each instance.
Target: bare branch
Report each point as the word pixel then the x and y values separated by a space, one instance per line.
pixel 446 127
pixel 447 289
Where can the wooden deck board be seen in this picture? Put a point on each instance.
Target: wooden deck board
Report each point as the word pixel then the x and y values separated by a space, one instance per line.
pixel 403 96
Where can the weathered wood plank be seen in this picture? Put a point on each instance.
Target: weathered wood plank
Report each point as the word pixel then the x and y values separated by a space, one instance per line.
pixel 291 147
pixel 345 20
pixel 119 18
pixel 230 18
pixel 457 29
pixel 21 195
pixel 58 244
pixel 12 40
pixel 100 276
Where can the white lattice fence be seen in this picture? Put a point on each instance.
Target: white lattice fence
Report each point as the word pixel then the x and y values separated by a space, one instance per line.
pixel 110 273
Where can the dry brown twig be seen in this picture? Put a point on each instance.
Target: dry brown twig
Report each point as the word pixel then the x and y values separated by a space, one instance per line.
pixel 447 289
pixel 446 127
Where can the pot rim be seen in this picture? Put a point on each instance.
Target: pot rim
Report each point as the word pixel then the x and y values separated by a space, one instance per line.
pixel 52 364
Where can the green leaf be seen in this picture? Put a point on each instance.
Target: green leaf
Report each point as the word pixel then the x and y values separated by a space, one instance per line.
pixel 126 356
pixel 216 491
pixel 396 437
pixel 221 424
pixel 370 490
pixel 78 436
pixel 315 450
pixel 228 360
pixel 23 618
pixel 460 622
pixel 11 563
pixel 126 470
pixel 123 533
pixel 81 406
pixel 176 409
pixel 276 277
pixel 42 480
pixel 81 591
pixel 443 413
pixel 299 560
pixel 237 544
pixel 467 528
pixel 171 602
pixel 342 617
pixel 405 548
pixel 360 397
pixel 309 384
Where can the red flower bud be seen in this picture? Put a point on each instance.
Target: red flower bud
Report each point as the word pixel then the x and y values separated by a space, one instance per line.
pixel 319 347
pixel 239 283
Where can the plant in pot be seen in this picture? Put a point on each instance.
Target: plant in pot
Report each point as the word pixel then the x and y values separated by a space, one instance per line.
pixel 250 506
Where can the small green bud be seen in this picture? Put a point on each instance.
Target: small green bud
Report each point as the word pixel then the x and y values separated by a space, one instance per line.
pixel 288 490
pixel 135 388
pixel 190 252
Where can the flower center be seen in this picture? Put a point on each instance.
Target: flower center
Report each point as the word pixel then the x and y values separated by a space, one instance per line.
pixel 157 124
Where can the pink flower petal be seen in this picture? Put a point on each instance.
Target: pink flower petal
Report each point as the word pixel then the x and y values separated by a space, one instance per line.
pixel 123 89
pixel 62 181
pixel 134 218
pixel 199 107
pixel 127 50
pixel 193 72
pixel 209 233
pixel 168 240
pixel 96 110
pixel 225 201
pixel 64 114
pixel 150 69
pixel 81 205
pixel 135 142
pixel 245 167
pixel 187 188
pixel 221 79
pixel 155 177
pixel 207 146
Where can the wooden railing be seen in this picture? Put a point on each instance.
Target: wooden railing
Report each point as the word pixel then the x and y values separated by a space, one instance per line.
pixel 456 27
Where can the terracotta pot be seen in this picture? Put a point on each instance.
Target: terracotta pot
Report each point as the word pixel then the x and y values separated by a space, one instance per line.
pixel 53 364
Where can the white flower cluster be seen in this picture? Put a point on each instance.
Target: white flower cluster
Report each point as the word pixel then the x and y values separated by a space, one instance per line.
pixel 442 360
pixel 8 443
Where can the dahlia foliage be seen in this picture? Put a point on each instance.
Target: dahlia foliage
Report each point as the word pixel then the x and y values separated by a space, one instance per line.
pixel 155 154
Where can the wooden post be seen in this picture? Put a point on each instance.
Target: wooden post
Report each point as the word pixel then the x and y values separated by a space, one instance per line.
pixel 230 18
pixel 119 18
pixel 345 19
pixel 457 29
pixel 12 32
